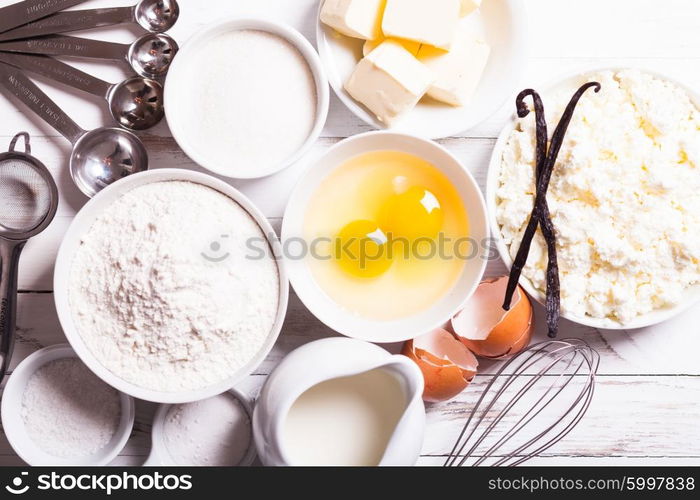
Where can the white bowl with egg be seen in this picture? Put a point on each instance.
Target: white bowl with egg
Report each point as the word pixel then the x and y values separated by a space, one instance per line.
pixel 84 221
pixel 571 81
pixel 16 432
pixel 501 23
pixel 197 72
pixel 343 319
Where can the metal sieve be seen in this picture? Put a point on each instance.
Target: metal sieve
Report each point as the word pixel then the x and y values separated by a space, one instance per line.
pixel 28 203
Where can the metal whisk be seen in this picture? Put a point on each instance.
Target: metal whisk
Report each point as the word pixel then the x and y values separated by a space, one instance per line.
pixel 532 403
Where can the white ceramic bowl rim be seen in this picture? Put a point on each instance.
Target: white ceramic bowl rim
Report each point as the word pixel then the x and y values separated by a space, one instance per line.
pixel 327 310
pixel 64 261
pixel 652 318
pixel 16 432
pixel 160 456
pixel 446 121
pixel 189 51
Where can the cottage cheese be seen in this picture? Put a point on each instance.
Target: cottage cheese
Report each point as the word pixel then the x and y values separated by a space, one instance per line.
pixel 624 197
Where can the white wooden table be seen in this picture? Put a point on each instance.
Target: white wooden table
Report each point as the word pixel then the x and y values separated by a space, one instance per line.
pixel 647 405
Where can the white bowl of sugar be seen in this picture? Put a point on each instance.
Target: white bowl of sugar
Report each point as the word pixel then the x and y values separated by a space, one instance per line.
pixel 246 98
pixel 55 412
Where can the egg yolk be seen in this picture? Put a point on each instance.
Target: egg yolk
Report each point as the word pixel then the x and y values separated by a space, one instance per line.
pixel 415 213
pixel 361 249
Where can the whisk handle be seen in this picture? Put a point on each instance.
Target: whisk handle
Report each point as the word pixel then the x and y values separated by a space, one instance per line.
pixel 9 261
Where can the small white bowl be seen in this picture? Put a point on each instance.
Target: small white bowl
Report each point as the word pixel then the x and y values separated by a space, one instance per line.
pixel 503 25
pixel 572 81
pixel 160 456
pixel 176 90
pixel 16 432
pixel 84 220
pixel 330 312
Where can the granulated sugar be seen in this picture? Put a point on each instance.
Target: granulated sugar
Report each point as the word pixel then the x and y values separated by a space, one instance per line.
pixel 166 293
pixel 252 102
pixel 67 411
pixel 213 432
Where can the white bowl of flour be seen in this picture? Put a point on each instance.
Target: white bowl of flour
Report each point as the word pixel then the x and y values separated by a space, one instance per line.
pixel 251 97
pixel 169 287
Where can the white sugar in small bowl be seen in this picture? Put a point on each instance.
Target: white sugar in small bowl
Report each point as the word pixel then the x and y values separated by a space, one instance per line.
pixel 84 220
pixel 177 90
pixel 501 23
pixel 16 432
pixel 160 456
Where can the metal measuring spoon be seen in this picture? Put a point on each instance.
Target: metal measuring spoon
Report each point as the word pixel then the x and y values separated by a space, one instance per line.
pixel 155 16
pixel 100 157
pixel 25 12
pixel 149 55
pixel 135 103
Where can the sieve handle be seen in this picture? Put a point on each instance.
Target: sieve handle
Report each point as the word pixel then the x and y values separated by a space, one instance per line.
pixel 75 20
pixel 16 82
pixel 25 12
pixel 9 261
pixel 58 71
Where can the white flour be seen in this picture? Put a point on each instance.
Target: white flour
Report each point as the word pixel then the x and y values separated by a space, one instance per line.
pixel 163 289
pixel 253 102
pixel 67 411
pixel 215 432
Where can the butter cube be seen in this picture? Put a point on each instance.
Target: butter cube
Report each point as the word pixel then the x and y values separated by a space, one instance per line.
pixel 354 18
pixel 469 6
pixel 459 71
pixel 433 22
pixel 389 81
pixel 409 45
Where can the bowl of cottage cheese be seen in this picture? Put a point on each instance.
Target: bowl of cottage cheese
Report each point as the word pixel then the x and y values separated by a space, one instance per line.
pixel 170 287
pixel 624 199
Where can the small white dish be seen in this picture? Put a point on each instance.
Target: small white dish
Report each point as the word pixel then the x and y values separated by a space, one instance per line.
pixel 176 90
pixel 333 314
pixel 502 24
pixel 16 433
pixel 82 223
pixel 160 456
pixel 572 81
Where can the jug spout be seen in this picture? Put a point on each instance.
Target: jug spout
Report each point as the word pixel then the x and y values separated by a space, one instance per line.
pixel 407 439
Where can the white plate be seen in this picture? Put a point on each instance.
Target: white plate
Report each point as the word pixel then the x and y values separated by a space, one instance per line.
pixel 16 431
pixel 176 90
pixel 572 81
pixel 502 23
pixel 345 321
pixel 84 220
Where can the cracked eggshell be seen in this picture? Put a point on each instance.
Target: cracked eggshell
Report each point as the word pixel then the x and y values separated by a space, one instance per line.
pixel 447 365
pixel 488 330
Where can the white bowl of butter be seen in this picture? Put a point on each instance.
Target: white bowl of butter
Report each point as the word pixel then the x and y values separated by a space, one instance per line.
pixel 501 24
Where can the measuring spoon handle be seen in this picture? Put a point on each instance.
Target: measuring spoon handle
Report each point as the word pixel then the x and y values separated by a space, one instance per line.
pixel 25 12
pixel 17 83
pixel 57 71
pixel 75 20
pixel 68 46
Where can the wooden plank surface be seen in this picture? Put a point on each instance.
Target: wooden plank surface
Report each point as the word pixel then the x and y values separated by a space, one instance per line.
pixel 646 406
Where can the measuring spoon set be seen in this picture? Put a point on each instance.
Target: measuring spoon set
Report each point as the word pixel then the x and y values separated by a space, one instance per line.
pixel 31 32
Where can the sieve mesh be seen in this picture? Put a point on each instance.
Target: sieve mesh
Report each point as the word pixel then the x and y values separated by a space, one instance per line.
pixel 25 196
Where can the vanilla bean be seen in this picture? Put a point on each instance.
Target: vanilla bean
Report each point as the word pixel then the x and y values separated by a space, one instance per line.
pixel 545 162
pixel 540 160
